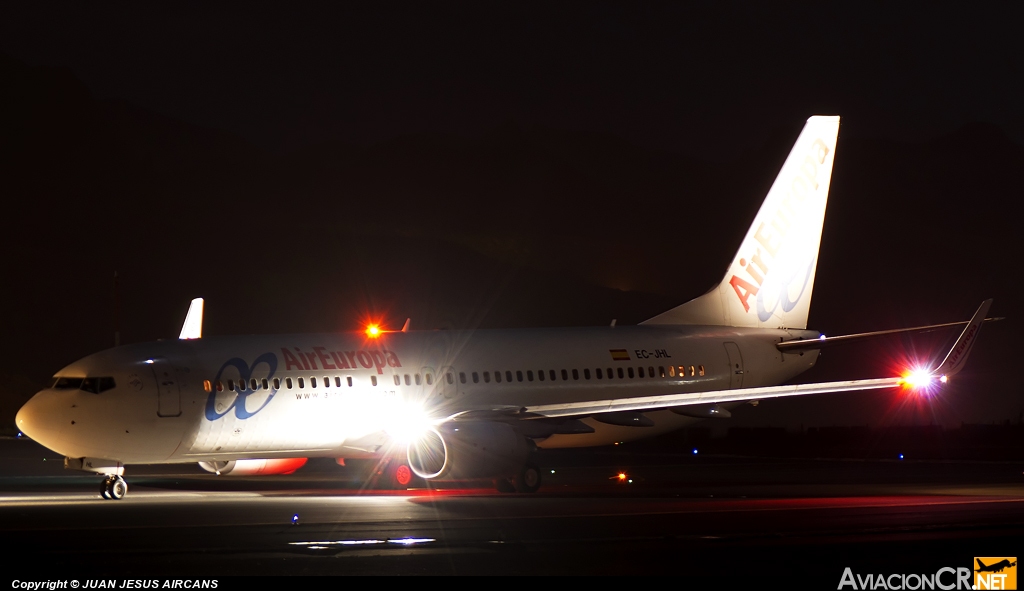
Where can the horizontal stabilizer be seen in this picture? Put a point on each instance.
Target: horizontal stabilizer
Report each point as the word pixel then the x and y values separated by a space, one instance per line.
pixel 823 341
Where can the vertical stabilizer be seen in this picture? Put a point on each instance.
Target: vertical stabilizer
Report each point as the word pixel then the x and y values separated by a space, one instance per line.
pixel 768 283
pixel 193 327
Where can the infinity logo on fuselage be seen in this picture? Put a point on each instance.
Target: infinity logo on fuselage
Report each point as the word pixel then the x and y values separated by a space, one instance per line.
pixel 245 372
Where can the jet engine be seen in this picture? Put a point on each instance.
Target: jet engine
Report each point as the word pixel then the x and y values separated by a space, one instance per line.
pixel 254 467
pixel 477 449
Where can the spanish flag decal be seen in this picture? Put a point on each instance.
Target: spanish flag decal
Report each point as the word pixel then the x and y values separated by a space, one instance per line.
pixel 619 354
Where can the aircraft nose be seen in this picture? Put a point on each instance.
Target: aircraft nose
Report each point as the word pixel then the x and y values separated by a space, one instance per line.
pixel 38 419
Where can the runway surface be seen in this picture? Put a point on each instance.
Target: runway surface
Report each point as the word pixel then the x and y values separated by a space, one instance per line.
pixel 704 518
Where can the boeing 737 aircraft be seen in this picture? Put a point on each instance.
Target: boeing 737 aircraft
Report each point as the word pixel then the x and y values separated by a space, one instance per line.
pixel 470 404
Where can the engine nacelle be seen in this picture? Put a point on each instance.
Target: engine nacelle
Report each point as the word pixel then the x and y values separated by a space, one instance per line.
pixel 254 467
pixel 469 450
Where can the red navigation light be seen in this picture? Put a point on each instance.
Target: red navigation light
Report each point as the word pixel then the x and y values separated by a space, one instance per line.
pixel 373 331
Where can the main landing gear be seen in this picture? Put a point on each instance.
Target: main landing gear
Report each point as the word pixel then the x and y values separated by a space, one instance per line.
pixel 114 487
pixel 526 481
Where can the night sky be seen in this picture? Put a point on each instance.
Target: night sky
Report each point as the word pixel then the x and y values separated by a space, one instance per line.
pixel 505 165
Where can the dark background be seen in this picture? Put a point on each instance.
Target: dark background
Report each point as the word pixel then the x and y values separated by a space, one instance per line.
pixel 505 165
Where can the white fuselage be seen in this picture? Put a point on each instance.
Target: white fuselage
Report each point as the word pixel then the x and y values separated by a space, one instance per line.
pixel 338 395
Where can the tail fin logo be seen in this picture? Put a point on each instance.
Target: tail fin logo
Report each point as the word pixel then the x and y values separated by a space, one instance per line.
pixel 779 270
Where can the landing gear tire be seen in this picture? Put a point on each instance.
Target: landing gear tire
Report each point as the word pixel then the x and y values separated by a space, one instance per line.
pixel 114 488
pixel 504 485
pixel 528 479
pixel 395 475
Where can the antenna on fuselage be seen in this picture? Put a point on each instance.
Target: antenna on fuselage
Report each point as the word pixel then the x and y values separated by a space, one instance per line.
pixel 614 320
pixel 193 327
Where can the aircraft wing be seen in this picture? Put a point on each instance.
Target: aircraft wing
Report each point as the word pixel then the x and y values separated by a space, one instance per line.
pixel 952 364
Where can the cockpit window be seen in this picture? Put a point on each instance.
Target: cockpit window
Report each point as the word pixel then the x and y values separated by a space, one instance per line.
pixel 97 385
pixel 68 383
pixel 93 385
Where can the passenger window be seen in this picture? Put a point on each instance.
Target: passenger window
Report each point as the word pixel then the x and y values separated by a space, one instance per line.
pixel 551 374
pixel 508 376
pixel 487 377
pixel 408 380
pixel 641 370
pixel 327 382
pixel 497 377
pixel 451 379
pixel 301 384
pixel 599 376
pixel 266 385
pixel 231 385
pixel 373 380
pixel 682 371
pixel 575 374
pixel 337 381
pixel 565 375
pixel 519 375
pixel 476 378
pixel 462 377
pixel 277 383
pixel 430 379
pixel 419 379
pixel 540 374
pixel 661 370
pixel 700 370
pixel 349 380
pixel 398 380
pixel 312 383
pixel 671 371
pixel 586 373
pixel 529 375
pixel 693 371
pixel 630 371
pixel 620 372
pixel 288 382
pixel 610 376
pixel 207 386
pixel 220 386
pixel 252 384
pixel 650 372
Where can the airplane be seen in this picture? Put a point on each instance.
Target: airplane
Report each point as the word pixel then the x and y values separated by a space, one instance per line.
pixel 440 404
pixel 994 568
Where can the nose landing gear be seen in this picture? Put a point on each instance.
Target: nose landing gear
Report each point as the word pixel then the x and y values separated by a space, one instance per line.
pixel 114 487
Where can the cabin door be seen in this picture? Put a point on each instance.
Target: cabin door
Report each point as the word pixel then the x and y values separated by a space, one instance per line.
pixel 168 393
pixel 735 365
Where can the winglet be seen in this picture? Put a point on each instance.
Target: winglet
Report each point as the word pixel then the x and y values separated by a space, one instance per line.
pixel 193 327
pixel 405 327
pixel 957 356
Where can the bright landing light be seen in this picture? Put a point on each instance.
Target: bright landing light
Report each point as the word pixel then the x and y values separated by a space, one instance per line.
pixel 917 378
pixel 373 331
pixel 920 378
pixel 406 423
